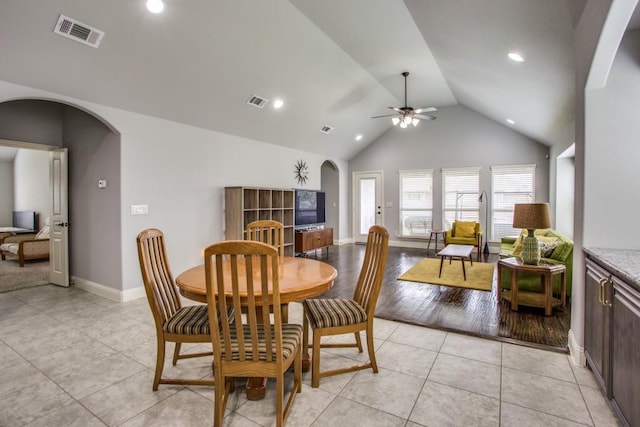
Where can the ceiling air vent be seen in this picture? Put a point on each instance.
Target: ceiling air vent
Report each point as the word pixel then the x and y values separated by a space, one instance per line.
pixel 78 31
pixel 326 129
pixel 257 101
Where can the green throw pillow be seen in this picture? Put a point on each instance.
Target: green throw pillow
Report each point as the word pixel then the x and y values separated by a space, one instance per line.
pixel 561 252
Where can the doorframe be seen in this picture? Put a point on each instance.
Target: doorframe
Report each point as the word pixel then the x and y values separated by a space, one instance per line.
pixel 355 213
pixel 38 147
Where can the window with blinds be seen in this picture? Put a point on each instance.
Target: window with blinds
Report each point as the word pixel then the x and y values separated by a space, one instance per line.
pixel 416 202
pixel 510 185
pixel 460 192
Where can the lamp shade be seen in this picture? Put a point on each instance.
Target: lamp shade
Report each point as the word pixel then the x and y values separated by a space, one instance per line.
pixel 532 216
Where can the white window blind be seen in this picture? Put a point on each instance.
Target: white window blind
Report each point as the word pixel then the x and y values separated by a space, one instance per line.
pixel 510 185
pixel 416 202
pixel 460 192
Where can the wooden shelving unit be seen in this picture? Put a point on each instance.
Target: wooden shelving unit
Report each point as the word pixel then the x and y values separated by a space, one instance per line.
pixel 246 204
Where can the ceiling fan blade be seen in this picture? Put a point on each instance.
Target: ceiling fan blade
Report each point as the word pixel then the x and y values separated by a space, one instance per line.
pixel 396 109
pixel 424 116
pixel 426 110
pixel 386 115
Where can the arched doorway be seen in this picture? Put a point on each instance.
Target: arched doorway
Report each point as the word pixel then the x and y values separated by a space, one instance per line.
pixel 330 184
pixel 94 155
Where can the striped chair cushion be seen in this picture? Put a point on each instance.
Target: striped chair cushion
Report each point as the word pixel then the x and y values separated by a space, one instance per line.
pixel 291 339
pixel 191 320
pixel 329 312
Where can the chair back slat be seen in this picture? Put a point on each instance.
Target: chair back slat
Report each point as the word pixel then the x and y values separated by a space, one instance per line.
pixel 252 277
pixel 372 271
pixel 267 231
pixel 158 281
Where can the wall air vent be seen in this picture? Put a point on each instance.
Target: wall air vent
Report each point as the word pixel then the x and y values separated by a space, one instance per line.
pixel 257 101
pixel 326 129
pixel 78 31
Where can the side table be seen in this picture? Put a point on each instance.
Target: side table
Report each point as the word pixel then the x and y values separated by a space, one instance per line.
pixel 434 234
pixel 534 299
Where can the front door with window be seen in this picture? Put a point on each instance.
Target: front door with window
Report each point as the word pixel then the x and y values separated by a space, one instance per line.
pixel 367 203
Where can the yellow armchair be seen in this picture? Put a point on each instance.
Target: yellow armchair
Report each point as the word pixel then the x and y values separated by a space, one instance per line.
pixel 464 233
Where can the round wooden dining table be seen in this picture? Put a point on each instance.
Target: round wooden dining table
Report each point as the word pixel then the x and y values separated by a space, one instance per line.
pixel 298 278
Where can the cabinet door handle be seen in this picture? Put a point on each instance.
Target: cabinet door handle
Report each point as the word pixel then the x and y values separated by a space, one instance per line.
pixel 605 301
pixel 602 294
pixel 601 290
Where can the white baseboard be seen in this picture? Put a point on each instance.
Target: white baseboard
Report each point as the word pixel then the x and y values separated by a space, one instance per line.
pixel 576 352
pixel 107 292
pixel 417 244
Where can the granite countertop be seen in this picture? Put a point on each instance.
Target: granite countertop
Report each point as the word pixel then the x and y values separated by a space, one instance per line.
pixel 624 263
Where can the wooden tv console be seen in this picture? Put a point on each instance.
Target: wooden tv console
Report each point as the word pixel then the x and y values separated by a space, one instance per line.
pixel 313 239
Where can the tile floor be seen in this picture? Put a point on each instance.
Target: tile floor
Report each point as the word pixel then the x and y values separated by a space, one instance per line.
pixel 71 358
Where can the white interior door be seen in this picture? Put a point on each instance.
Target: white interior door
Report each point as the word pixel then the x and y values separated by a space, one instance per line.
pixel 59 239
pixel 367 203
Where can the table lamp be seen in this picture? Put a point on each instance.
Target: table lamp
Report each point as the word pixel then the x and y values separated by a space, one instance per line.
pixel 531 216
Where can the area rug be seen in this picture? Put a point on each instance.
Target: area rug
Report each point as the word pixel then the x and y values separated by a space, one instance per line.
pixel 479 276
pixel 12 276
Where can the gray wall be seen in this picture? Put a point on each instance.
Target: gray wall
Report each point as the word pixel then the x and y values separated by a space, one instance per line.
pixel 6 194
pixel 458 138
pixel 611 196
pixel 330 183
pixel 94 214
pixel 32 121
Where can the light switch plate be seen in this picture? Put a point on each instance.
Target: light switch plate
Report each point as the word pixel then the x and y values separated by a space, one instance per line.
pixel 139 209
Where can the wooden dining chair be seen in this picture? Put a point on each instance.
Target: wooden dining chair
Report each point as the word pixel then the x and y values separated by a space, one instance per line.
pixel 255 344
pixel 174 323
pixel 267 231
pixel 328 316
pixel 272 233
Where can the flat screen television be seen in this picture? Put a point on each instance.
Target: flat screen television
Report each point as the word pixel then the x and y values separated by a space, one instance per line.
pixel 310 208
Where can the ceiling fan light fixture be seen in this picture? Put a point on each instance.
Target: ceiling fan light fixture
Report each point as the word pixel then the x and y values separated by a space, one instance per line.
pixel 407 119
pixel 395 121
pixel 415 122
pixel 403 125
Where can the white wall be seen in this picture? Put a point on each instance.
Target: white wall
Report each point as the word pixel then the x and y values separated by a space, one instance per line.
pixel 6 194
pixel 31 183
pixel 180 172
pixel 612 176
pixel 458 138
pixel 565 189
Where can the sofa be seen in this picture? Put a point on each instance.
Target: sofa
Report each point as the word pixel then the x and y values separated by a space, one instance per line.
pixel 27 246
pixel 555 248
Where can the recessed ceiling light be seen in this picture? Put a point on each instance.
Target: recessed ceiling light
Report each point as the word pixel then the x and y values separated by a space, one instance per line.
pixel 514 56
pixel 278 103
pixel 358 137
pixel 155 6
pixel 511 122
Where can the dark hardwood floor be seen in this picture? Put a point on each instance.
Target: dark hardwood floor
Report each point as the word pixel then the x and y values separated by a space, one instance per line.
pixel 466 311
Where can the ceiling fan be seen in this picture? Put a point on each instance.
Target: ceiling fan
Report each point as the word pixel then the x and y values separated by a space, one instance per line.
pixel 405 116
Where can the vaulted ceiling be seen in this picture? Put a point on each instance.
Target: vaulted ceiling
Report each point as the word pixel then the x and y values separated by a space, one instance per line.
pixel 333 62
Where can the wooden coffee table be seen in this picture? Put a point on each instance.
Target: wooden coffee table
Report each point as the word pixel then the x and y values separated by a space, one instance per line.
pixel 456 252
